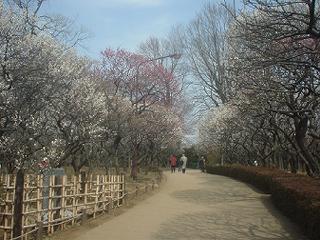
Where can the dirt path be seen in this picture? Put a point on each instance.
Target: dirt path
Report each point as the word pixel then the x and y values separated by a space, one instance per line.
pixel 196 206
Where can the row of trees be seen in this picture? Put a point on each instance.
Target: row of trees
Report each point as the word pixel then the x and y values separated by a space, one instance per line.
pixel 256 75
pixel 58 108
pixel 265 83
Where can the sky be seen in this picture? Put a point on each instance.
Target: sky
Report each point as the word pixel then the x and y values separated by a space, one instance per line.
pixel 124 23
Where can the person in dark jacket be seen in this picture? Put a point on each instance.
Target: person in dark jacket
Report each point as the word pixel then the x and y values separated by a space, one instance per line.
pixel 202 164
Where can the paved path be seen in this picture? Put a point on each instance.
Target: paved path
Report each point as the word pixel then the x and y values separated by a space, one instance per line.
pixel 197 206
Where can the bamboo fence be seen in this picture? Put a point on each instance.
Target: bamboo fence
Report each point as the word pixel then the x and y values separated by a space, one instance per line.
pixel 52 204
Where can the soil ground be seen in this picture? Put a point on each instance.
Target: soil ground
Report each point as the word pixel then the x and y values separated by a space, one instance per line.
pixel 194 206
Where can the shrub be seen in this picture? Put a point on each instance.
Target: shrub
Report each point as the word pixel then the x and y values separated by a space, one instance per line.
pixel 297 196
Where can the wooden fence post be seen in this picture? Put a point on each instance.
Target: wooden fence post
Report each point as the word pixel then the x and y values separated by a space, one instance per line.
pixel 8 221
pixel 112 193
pixel 39 198
pixel 96 198
pixel 74 198
pixel 50 203
pixel 104 193
pixel 122 189
pixel 18 204
pixel 27 195
pixel 63 199
pixel 83 177
pixel 57 194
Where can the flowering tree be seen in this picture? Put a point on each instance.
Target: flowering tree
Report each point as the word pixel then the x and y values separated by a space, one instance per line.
pixel 27 89
pixel 282 64
pixel 272 112
pixel 144 83
pixel 150 132
pixel 135 77
pixel 58 108
pixel 37 72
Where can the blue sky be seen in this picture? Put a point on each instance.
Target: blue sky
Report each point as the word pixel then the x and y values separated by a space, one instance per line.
pixel 124 23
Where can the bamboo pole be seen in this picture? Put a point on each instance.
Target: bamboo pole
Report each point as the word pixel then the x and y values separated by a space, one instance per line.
pixel 14 179
pixel 85 194
pixel 39 202
pixel 96 197
pixel 111 191
pixel 49 217
pixel 74 196
pixel 117 187
pixel 6 216
pixel 103 193
pixel 25 203
pixel 90 183
pixel 78 191
pixel 122 188
pixel 63 200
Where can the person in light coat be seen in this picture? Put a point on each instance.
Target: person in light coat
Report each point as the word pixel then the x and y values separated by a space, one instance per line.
pixel 184 160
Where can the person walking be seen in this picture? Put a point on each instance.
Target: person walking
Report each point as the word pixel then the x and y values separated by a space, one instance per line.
pixel 184 160
pixel 173 163
pixel 202 164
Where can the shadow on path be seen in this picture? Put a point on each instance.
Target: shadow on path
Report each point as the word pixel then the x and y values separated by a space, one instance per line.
pixel 236 211
pixel 195 206
pixel 226 225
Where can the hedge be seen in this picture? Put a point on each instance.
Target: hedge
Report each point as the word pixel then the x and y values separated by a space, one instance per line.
pixel 297 196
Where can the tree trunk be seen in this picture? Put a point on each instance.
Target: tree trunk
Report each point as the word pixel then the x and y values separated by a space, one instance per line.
pixel 75 167
pixel 18 204
pixel 301 127
pixel 77 163
pixel 292 163
pixel 10 167
pixel 134 168
pixel 134 164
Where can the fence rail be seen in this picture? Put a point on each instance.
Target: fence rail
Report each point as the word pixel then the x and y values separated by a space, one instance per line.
pixel 52 202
